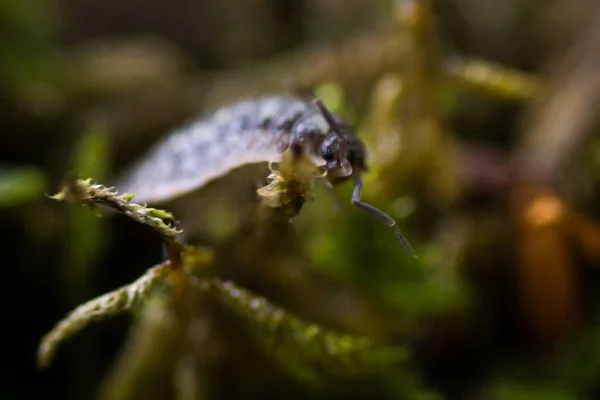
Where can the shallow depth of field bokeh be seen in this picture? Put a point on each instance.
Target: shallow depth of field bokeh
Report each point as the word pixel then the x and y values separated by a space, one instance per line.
pixel 481 124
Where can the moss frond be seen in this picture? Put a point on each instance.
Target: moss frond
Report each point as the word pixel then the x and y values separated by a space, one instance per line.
pixel 109 304
pixel 148 355
pixel 305 350
pixel 495 79
pixel 85 191
pixel 290 185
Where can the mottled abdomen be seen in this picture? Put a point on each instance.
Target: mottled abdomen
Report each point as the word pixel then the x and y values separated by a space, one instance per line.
pixel 247 132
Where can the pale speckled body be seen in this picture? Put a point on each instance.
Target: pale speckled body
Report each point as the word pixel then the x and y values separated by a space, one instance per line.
pixel 247 132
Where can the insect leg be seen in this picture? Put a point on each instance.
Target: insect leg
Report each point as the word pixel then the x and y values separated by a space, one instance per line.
pixel 356 195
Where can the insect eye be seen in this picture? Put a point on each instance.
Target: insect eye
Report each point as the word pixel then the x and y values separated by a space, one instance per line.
pixel 328 155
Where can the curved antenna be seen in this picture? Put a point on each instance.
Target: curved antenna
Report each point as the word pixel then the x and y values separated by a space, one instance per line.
pixel 343 155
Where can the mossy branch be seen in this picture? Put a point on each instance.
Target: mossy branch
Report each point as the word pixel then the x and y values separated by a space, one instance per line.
pixel 85 191
pixel 305 350
pixel 110 304
pixel 495 79
pixel 127 297
pixel 291 183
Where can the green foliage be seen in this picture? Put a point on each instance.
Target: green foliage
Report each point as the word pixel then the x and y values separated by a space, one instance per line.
pixel 30 62
pixel 306 350
pixel 21 185
pixel 109 304
pixel 332 94
pixel 84 191
pixel 517 389
pixel 149 355
pixel 91 153
pixel 85 243
pixel 494 79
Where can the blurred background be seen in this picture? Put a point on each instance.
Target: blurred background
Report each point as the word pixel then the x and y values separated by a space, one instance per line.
pixel 480 119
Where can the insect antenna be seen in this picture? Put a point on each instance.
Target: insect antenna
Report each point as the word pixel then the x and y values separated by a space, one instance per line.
pixel 358 184
pixel 343 150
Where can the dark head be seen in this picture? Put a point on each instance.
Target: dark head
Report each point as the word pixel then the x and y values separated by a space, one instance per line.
pixel 340 148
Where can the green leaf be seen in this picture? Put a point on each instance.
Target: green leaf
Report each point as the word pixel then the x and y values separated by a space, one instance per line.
pixel 86 236
pixel 21 185
pixel 91 153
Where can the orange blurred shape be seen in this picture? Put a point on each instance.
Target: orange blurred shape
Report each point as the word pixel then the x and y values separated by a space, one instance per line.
pixel 544 210
pixel 546 277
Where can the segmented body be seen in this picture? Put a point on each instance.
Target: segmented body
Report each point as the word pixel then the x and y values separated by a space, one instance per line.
pixel 250 131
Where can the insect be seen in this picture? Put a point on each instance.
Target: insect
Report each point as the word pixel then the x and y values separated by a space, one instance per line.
pixel 248 132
